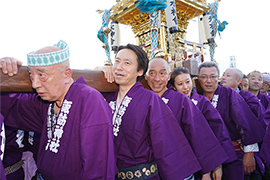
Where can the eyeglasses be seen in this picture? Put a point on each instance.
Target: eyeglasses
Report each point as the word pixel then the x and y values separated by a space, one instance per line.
pixel 266 83
pixel 204 78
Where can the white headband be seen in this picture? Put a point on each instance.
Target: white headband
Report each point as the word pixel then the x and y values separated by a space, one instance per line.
pixel 49 59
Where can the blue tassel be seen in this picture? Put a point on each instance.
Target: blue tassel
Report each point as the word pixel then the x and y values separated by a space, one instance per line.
pixel 100 36
pixel 149 6
pixel 222 26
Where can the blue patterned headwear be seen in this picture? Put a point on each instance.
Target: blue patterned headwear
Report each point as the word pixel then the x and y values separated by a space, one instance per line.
pixel 48 59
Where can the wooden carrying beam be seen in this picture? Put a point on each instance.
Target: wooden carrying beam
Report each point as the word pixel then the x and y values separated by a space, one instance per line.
pixel 21 81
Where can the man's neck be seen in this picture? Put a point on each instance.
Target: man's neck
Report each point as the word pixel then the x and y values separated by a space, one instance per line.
pixel 123 89
pixel 209 96
pixel 254 92
pixel 264 92
pixel 162 92
pixel 59 102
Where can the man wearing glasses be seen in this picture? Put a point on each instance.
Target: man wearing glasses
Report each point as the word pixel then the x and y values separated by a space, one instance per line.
pixel 242 124
pixel 266 85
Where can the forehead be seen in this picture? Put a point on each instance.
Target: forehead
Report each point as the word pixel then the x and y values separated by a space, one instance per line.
pixel 126 54
pixel 183 76
pixel 46 69
pixel 245 80
pixel 208 70
pixel 157 65
pixel 230 71
pixel 256 74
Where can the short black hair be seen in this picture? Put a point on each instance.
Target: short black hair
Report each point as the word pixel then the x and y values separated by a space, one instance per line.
pixel 142 58
pixel 176 72
pixel 255 71
pixel 208 64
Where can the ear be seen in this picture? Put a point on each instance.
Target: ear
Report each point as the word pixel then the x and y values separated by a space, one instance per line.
pixel 140 72
pixel 169 76
pixel 68 74
pixel 239 81
pixel 145 77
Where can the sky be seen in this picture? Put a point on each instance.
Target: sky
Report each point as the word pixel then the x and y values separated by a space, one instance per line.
pixel 28 25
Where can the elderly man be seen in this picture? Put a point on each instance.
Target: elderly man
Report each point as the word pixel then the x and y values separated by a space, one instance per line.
pixel 244 83
pixel 232 77
pixel 192 121
pixel 255 84
pixel 74 119
pixel 241 123
pixel 266 84
pixel 148 140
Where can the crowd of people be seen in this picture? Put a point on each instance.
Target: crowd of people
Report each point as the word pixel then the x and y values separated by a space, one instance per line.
pixel 170 131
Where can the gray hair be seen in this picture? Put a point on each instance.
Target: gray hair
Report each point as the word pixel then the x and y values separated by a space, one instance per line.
pixel 255 71
pixel 266 77
pixel 208 65
pixel 62 66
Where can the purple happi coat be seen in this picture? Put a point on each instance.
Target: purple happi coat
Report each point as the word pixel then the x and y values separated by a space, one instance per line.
pixel 266 116
pixel 265 101
pixel 258 110
pixel 146 130
pixel 81 144
pixel 265 149
pixel 216 123
pixel 241 123
pixel 2 171
pixel 239 119
pixel 14 148
pixel 200 136
pixel 255 105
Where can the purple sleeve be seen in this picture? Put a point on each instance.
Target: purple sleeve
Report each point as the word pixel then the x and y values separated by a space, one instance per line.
pixel 247 124
pixel 173 154
pixel 97 148
pixel 2 172
pixel 266 116
pixel 24 111
pixel 265 149
pixel 205 145
pixel 219 128
pixel 255 106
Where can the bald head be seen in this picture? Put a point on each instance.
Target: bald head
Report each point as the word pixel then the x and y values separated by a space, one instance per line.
pixel 232 77
pixel 159 62
pixel 47 49
pixel 158 75
pixel 238 73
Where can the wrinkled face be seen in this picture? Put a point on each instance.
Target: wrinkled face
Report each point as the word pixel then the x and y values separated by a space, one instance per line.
pixel 208 78
pixel 183 84
pixel 158 75
pixel 265 86
pixel 230 79
pixel 255 81
pixel 125 68
pixel 244 84
pixel 48 81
